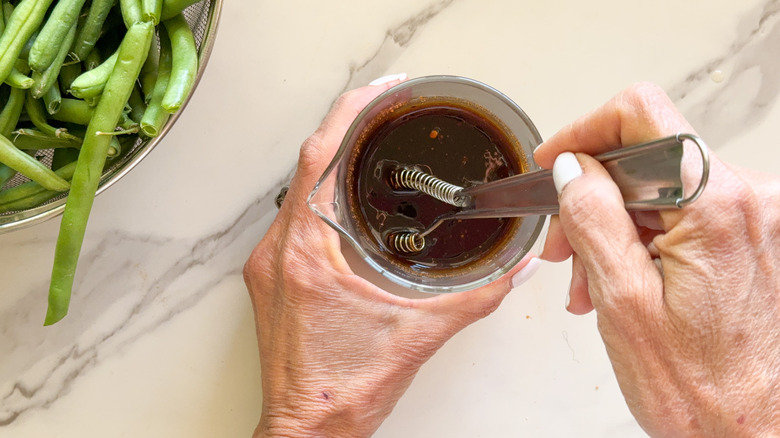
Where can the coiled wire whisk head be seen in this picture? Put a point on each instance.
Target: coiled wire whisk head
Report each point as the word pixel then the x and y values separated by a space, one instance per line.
pixel 407 178
pixel 412 242
pixel 406 242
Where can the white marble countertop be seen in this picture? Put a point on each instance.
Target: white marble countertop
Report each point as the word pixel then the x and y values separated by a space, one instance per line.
pixel 160 341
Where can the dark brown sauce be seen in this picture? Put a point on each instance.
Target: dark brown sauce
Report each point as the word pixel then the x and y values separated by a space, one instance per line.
pixel 451 140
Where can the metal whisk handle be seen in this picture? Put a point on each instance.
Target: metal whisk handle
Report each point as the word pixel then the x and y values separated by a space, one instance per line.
pixel 408 178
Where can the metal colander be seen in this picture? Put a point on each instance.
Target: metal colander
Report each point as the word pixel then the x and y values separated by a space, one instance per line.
pixel 202 18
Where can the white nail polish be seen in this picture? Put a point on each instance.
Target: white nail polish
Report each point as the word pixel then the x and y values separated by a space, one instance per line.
pixel 388 78
pixel 527 272
pixel 565 169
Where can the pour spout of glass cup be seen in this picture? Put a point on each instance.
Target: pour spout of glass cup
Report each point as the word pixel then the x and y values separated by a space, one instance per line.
pixel 649 177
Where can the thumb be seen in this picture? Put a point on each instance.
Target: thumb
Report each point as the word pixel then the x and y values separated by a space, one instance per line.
pixel 602 234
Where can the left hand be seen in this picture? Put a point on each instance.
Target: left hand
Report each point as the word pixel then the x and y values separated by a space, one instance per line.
pixel 336 351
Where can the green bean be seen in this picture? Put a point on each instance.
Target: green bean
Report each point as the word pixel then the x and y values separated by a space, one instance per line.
pixel 114 148
pixel 137 105
pixel 23 22
pixel 32 140
pixel 93 60
pixel 155 116
pixel 52 36
pixel 88 34
pixel 46 78
pixel 9 117
pixel 68 73
pixel 184 65
pixel 28 166
pixel 37 115
pixel 131 11
pixel 52 99
pixel 151 10
pixel 74 111
pixel 132 54
pixel 91 82
pixel 171 8
pixel 17 79
pixel 6 173
pixel 149 70
pixel 32 194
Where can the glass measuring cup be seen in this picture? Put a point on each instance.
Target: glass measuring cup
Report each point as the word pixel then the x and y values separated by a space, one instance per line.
pixel 329 199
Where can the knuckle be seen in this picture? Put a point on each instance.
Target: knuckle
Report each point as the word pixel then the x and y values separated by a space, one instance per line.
pixel 311 153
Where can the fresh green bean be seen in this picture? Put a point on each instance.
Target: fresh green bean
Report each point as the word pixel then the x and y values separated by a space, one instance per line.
pixel 32 140
pixel 68 73
pixel 132 54
pixel 23 22
pixel 137 105
pixel 91 82
pixel 131 11
pixel 184 65
pixel 149 70
pixel 46 78
pixel 74 111
pixel 17 79
pixel 88 34
pixel 6 173
pixel 52 99
pixel 32 194
pixel 93 60
pixel 52 36
pixel 28 166
pixel 37 115
pixel 114 148
pixel 151 10
pixel 171 8
pixel 155 116
pixel 9 117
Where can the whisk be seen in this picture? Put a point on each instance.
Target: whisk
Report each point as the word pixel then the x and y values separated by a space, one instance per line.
pixel 648 175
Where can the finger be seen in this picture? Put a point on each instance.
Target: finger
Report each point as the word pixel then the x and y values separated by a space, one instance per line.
pixel 556 245
pixel 579 299
pixel 462 309
pixel 603 236
pixel 638 114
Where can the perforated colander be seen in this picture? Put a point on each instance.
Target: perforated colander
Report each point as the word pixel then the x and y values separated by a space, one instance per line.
pixel 202 18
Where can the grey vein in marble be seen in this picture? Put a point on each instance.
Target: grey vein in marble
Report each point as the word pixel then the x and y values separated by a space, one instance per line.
pixel 751 86
pixel 33 378
pixel 396 40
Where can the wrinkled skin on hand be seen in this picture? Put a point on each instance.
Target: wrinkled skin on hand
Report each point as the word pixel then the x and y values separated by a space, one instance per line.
pixel 695 345
pixel 337 352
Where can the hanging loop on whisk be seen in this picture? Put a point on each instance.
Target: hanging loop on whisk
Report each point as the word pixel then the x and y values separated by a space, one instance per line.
pixel 408 178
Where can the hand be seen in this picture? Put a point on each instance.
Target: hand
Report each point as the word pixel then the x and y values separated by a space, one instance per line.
pixel 337 352
pixel 695 344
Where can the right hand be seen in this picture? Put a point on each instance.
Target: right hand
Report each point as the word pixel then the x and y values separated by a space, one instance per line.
pixel 695 345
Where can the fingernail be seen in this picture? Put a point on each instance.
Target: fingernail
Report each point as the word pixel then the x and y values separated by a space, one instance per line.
pixel 565 169
pixel 568 298
pixel 388 78
pixel 527 272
